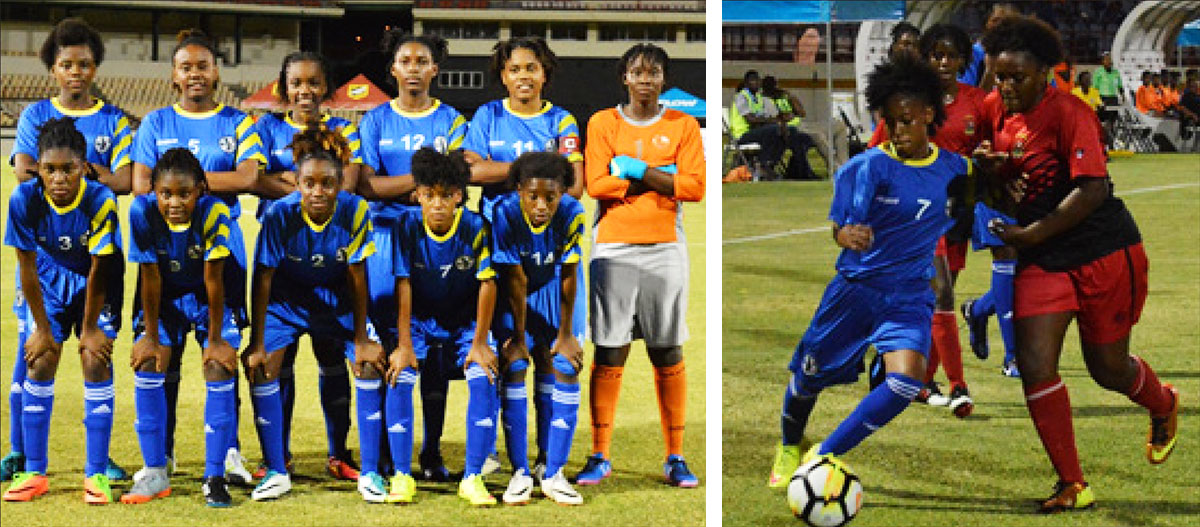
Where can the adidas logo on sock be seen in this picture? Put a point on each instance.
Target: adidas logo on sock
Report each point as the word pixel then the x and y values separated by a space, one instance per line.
pixel 208 429
pixel 35 408
pixel 559 423
pixel 262 422
pixel 486 421
pixel 102 409
pixel 1007 315
pixel 374 417
pixel 397 429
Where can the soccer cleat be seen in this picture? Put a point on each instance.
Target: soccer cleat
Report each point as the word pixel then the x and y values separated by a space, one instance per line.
pixel 557 488
pixel 372 487
pixel 811 454
pixel 342 469
pixel 491 464
pixel 26 486
pixel 1010 369
pixel 1161 440
pixel 472 489
pixel 154 483
pixel 141 472
pixel 215 492
pixel 1068 496
pixel 433 468
pixel 677 473
pixel 520 488
pixel 114 471
pixel 596 469
pixel 13 463
pixel 960 401
pixel 97 490
pixel 931 394
pixel 273 485
pixel 235 468
pixel 977 328
pixel 402 490
pixel 787 460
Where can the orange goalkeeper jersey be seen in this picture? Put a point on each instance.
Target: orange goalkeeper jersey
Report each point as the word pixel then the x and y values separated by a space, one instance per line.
pixel 671 138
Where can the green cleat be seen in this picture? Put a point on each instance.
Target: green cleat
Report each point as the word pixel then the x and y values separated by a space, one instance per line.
pixel 472 489
pixel 403 489
pixel 787 460
pixel 97 490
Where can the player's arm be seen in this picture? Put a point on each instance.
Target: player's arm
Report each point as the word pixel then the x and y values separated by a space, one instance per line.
pixel 254 358
pixel 485 171
pixel 576 189
pixel 91 339
pixel 141 179
pixel 375 187
pixel 148 348
pixel 403 356
pixel 601 183
pixel 366 352
pixel 119 181
pixel 350 175
pixel 1089 193
pixel 565 344
pixel 218 352
pixel 41 341
pixel 24 167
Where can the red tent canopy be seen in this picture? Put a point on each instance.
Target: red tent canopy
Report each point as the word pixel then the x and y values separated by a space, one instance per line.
pixel 358 94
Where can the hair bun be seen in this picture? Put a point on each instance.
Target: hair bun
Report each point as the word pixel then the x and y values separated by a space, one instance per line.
pixel 190 33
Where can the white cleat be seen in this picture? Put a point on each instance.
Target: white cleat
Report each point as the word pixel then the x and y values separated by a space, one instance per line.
pixel 235 468
pixel 273 485
pixel 491 464
pixel 560 490
pixel 520 488
pixel 372 487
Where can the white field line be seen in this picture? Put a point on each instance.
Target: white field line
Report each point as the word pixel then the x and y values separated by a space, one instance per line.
pixel 825 228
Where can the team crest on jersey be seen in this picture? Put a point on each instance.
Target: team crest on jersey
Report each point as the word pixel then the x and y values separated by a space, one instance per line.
pixel 969 125
pixel 440 144
pixel 551 145
pixel 102 143
pixel 810 366
pixel 661 142
pixel 1018 148
pixel 464 263
pixel 175 266
pixel 227 144
pixel 195 252
pixel 342 254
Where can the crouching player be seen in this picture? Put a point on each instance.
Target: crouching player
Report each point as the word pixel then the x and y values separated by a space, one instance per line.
pixel 536 232
pixel 65 232
pixel 889 209
pixel 446 291
pixel 309 278
pixel 180 240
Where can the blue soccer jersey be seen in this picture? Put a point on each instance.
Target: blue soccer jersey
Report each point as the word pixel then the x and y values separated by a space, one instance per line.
pixel 540 251
pixel 390 136
pixel 277 131
pixel 497 133
pixel 444 271
pixel 104 127
pixel 309 256
pixel 221 139
pixel 905 202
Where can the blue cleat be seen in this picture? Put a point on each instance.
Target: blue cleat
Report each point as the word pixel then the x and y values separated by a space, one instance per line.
pixel 677 473
pixel 115 472
pixel 977 328
pixel 12 464
pixel 596 469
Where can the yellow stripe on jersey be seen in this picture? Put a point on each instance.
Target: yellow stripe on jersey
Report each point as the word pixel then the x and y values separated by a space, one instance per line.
pixel 122 124
pixel 243 126
pixel 485 273
pixel 218 209
pixel 562 125
pixel 457 142
pixel 120 149
pixel 209 240
pixel 575 228
pixel 475 244
pixel 360 227
pixel 102 228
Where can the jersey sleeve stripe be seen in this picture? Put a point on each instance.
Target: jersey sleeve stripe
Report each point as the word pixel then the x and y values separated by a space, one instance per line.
pixel 243 126
pixel 215 213
pixel 120 153
pixel 566 123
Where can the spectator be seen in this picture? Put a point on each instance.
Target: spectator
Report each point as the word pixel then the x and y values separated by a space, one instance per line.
pixel 1108 82
pixel 1149 98
pixel 796 142
pixel 1085 91
pixel 905 39
pixel 976 73
pixel 754 118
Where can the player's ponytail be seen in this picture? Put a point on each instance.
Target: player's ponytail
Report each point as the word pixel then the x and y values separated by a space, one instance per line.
pixel 180 161
pixel 320 143
pixel 431 168
pixel 541 165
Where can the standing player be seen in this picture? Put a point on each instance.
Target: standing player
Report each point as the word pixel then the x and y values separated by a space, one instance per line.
pixel 446 290
pixel 1080 255
pixel 303 85
pixel 179 239
pixel 72 52
pixel 309 277
pixel 65 231
pixel 229 149
pixel 536 231
pixel 889 209
pixel 501 131
pixel 643 161
pixel 390 135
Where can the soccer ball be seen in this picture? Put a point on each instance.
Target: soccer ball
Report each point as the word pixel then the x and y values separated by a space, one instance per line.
pixel 825 492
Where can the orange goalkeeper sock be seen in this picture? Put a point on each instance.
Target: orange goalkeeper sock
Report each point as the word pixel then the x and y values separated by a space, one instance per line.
pixel 670 383
pixel 605 387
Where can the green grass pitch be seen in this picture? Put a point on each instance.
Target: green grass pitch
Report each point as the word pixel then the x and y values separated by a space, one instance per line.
pixel 635 495
pixel 928 468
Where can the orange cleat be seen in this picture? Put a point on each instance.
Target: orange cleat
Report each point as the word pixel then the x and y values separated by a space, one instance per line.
pixel 26 486
pixel 97 490
pixel 1161 439
pixel 342 470
pixel 1068 496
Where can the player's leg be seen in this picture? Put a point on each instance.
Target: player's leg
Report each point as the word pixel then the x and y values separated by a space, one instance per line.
pixel 150 407
pixel 1004 264
pixel 435 384
pixel 284 324
pixel 235 297
pixel 482 401
pixel 99 404
pixel 400 422
pixel 334 387
pixel 220 406
pixel 14 461
pixel 515 415
pixel 287 390
pixel 604 389
pixel 944 339
pixel 564 416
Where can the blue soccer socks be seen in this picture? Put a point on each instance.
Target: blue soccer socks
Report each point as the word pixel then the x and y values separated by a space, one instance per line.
pixel 878 408
pixel 1003 272
pixel 16 437
pixel 38 400
pixel 400 420
pixel 150 406
pixel 516 423
pixel 99 401
pixel 268 418
pixel 370 422
pixel 564 416
pixel 543 406
pixel 481 420
pixel 220 407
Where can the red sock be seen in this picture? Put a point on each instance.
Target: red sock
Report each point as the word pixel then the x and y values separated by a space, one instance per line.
pixel 604 390
pixel 945 340
pixel 670 383
pixel 931 365
pixel 1050 407
pixel 1147 391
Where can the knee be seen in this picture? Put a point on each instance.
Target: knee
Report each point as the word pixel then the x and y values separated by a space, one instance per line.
pixel 565 371
pixel 665 357
pixel 1114 374
pixel 216 372
pixel 95 370
pixel 514 370
pixel 44 367
pixel 606 356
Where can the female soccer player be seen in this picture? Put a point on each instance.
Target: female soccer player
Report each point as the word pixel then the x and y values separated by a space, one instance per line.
pixel 643 161
pixel 65 231
pixel 179 238
pixel 536 239
pixel 72 52
pixel 390 135
pixel 501 131
pixel 889 209
pixel 303 85
pixel 309 277
pixel 446 290
pixel 1080 254
pixel 226 143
